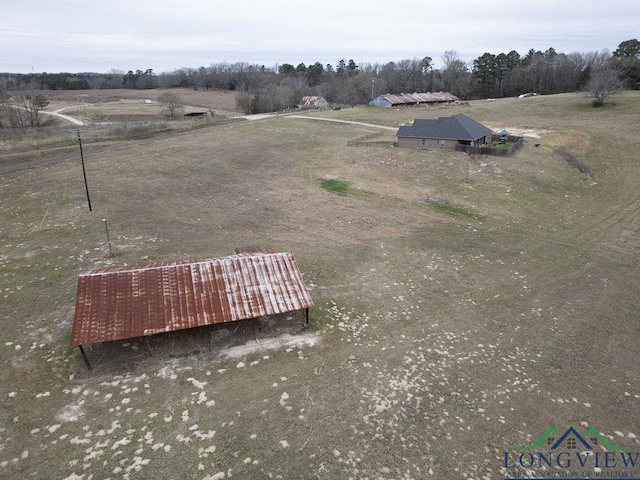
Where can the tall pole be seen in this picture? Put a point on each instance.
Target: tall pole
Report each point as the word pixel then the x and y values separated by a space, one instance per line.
pixel 373 81
pixel 84 172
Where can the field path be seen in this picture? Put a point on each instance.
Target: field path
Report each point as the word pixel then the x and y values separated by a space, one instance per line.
pixel 56 113
pixel 267 116
pixel 395 129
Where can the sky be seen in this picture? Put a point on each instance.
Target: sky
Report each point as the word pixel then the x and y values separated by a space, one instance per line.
pixel 164 35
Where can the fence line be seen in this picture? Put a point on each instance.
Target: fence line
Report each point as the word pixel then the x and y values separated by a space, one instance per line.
pixel 359 140
pixel 498 152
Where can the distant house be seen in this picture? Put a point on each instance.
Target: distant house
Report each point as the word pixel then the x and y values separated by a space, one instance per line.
pixel 407 99
pixel 445 132
pixel 313 102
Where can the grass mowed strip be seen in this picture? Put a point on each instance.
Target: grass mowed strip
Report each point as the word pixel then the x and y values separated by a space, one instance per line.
pixel 443 331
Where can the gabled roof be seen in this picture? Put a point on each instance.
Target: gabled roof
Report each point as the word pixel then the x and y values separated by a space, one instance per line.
pixel 571 431
pixel 549 438
pixel 140 300
pixel 457 127
pixel 311 101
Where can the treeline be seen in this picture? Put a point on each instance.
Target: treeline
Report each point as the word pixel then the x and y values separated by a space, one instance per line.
pixel 262 89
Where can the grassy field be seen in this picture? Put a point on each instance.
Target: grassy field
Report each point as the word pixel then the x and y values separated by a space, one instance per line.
pixel 115 116
pixel 463 304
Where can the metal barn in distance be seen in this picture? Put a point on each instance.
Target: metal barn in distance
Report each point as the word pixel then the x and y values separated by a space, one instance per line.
pixel 406 99
pixel 140 300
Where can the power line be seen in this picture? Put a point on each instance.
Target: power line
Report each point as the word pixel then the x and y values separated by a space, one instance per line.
pixel 84 172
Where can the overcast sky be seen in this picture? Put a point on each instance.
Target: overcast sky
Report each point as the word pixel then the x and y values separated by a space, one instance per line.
pixel 98 36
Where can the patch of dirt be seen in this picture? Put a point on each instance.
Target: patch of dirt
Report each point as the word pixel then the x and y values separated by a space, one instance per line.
pixel 571 160
pixel 283 341
pixel 520 132
pixel 70 413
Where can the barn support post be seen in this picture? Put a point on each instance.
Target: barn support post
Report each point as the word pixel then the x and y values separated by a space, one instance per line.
pixel 146 337
pixel 306 316
pixel 85 358
pixel 255 336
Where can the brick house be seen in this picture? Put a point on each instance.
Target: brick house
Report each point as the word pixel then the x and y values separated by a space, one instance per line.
pixel 444 132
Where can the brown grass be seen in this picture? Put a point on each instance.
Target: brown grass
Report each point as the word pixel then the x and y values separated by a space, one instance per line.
pixel 443 340
pixel 111 116
pixel 222 100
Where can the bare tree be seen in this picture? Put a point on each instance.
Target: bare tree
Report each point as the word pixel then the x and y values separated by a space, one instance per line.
pixel 455 76
pixel 359 89
pixel 603 83
pixel 246 102
pixel 170 101
pixel 23 110
pixel 38 102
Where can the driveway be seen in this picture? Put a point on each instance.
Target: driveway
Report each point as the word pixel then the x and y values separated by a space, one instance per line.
pixel 394 129
pixel 56 113
pixel 265 116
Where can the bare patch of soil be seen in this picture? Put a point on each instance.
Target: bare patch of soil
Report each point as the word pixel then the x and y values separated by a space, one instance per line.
pixel 229 340
pixel 521 132
pixel 571 160
pixel 283 341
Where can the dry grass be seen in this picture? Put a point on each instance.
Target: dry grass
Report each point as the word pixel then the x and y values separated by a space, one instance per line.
pixel 222 100
pixel 442 340
pixel 111 117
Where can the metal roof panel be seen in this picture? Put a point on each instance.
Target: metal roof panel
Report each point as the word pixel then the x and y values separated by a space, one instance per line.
pixel 139 300
pixel 412 98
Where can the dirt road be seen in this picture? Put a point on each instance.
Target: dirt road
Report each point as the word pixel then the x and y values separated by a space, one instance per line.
pixel 56 113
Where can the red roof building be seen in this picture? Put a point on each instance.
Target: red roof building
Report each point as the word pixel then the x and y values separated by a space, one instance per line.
pixel 140 300
pixel 313 102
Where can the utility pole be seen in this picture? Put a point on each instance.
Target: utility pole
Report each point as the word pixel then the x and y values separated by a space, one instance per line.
pixel 84 172
pixel 373 81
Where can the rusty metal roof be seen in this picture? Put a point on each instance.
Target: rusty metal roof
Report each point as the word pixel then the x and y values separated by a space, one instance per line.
pixel 413 98
pixel 139 300
pixel 311 101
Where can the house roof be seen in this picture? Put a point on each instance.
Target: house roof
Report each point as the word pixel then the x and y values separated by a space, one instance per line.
pixel 311 101
pixel 140 300
pixel 548 439
pixel 571 431
pixel 457 127
pixel 412 98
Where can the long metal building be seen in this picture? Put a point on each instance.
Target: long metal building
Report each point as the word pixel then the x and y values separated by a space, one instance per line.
pixel 404 99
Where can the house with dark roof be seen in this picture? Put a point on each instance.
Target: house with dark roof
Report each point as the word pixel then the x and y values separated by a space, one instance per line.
pixel 444 132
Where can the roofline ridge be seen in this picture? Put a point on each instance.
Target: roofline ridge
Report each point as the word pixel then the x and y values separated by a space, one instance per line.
pixel 173 264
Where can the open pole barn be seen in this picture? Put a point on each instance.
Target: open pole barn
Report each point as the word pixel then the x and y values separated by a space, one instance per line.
pixel 141 300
